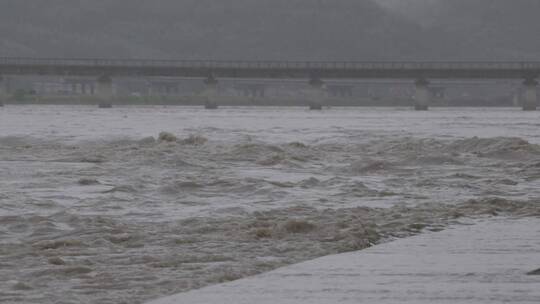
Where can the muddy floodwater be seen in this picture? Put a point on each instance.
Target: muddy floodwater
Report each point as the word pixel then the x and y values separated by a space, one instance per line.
pixel 129 204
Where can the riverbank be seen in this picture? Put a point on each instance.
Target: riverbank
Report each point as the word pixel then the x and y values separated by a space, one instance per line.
pixel 249 101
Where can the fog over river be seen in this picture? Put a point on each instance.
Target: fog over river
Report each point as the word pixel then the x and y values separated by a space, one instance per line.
pixel 128 204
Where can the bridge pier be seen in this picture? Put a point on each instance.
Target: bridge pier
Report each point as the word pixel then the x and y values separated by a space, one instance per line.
pixel 2 91
pixel 318 94
pixel 530 101
pixel 105 91
pixel 422 96
pixel 210 93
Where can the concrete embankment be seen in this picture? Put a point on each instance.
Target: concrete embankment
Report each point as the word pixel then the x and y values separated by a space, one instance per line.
pixel 491 261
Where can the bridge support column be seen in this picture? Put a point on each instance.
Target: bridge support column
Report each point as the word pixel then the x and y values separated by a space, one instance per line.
pixel 2 91
pixel 210 93
pixel 105 91
pixel 422 96
pixel 530 100
pixel 318 94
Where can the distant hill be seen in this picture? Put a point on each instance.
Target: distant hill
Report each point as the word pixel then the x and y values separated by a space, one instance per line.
pixel 270 29
pixel 487 29
pixel 502 28
pixel 232 29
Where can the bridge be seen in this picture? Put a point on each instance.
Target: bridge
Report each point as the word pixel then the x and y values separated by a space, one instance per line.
pixel 105 70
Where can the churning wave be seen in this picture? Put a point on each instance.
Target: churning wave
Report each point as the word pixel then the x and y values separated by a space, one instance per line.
pixel 172 213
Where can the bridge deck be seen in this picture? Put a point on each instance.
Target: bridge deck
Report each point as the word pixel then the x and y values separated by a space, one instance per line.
pixel 270 69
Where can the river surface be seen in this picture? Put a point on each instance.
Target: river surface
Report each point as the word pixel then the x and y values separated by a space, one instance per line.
pixel 128 204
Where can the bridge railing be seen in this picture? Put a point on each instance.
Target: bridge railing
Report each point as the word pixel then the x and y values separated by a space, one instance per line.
pixel 215 64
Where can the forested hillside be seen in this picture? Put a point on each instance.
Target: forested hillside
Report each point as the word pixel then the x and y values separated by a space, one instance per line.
pixel 508 29
pixel 268 29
